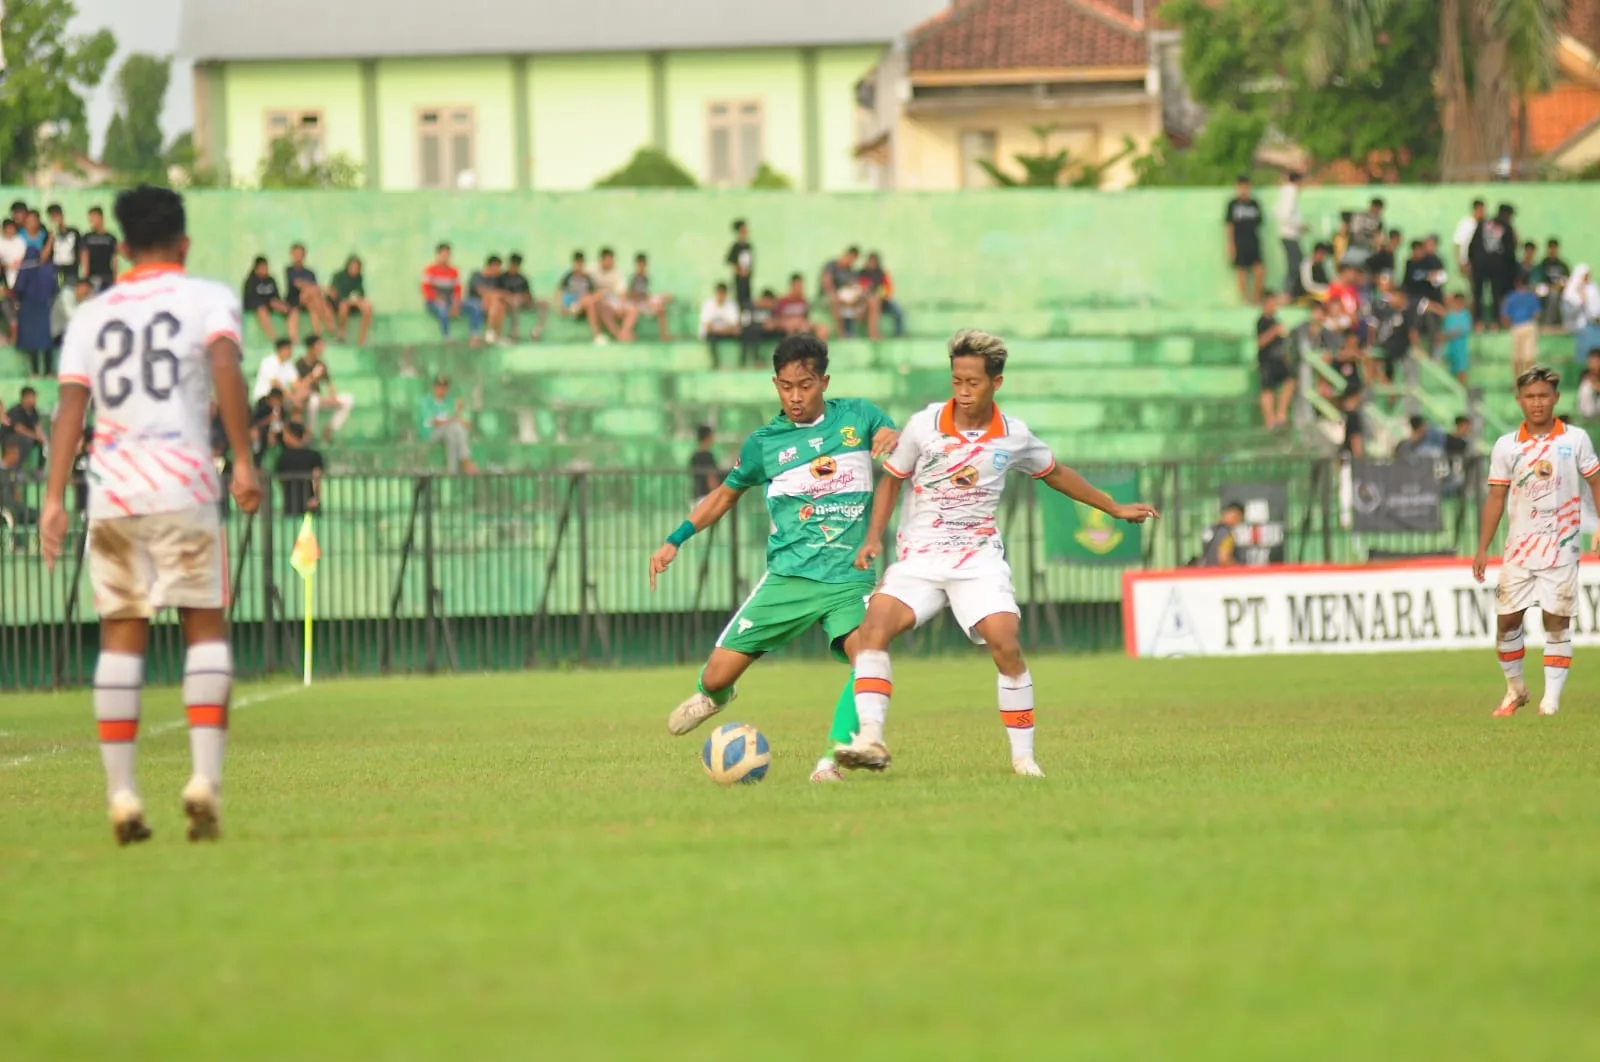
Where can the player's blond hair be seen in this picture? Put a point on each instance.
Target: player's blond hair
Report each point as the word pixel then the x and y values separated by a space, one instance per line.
pixel 971 343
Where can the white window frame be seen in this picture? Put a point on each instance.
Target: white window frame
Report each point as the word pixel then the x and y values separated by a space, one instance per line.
pixel 293 121
pixel 447 121
pixel 737 114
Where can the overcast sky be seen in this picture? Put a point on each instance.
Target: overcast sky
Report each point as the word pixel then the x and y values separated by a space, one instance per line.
pixel 139 26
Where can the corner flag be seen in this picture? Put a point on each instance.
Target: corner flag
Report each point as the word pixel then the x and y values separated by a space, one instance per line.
pixel 304 560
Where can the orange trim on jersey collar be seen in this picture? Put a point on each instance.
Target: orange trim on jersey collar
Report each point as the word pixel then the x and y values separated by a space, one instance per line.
pixel 1523 435
pixel 141 272
pixel 947 423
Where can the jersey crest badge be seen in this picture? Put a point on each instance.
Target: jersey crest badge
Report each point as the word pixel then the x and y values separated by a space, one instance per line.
pixel 848 434
pixel 787 455
pixel 1002 459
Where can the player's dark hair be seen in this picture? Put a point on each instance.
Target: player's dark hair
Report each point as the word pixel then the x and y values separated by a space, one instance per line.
pixel 971 343
pixel 53 208
pixel 607 251
pixel 279 344
pixel 738 224
pixel 97 210
pixel 804 348
pixel 441 247
pixel 312 341
pixel 1234 507
pixel 1552 242
pixel 260 261
pixel 1463 419
pixel 796 276
pixel 1377 203
pixel 516 259
pixel 703 432
pixel 151 218
pixel 28 392
pixel 494 259
pixel 722 288
pixel 295 430
pixel 577 256
pixel 852 249
pixel 641 257
pixel 1593 351
pixel 1477 203
pixel 17 205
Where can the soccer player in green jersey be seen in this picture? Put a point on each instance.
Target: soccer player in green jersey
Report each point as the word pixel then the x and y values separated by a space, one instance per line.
pixel 815 461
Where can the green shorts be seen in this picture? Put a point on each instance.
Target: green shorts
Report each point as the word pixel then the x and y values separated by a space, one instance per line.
pixel 783 607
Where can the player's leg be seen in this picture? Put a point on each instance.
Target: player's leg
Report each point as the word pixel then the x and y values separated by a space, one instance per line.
pixel 845 611
pixel 1002 632
pixel 903 602
pixel 121 572
pixel 207 692
pixel 1558 600
pixel 1515 593
pixel 775 613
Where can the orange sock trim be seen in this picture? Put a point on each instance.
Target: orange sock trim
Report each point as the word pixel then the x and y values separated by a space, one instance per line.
pixel 115 731
pixel 875 685
pixel 1558 661
pixel 214 715
pixel 1017 720
pixel 1518 655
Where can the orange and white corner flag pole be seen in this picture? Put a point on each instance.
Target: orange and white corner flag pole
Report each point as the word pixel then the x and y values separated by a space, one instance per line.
pixel 304 560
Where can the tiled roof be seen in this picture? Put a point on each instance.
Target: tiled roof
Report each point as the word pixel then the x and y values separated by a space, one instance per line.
pixel 1555 115
pixel 1029 34
pixel 1583 22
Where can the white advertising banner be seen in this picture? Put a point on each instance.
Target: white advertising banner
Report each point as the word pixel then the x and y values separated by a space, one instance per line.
pixel 1407 606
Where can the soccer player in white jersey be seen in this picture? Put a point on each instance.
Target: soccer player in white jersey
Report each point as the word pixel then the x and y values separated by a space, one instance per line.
pixel 957 454
pixel 149 352
pixel 1540 468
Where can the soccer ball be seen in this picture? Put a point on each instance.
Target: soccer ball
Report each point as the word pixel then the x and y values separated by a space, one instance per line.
pixel 736 754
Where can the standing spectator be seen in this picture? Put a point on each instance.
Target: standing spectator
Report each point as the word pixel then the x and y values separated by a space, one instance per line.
pixel 1529 262
pixel 316 379
pixel 261 296
pixel 13 249
pixel 1366 232
pixel 301 291
pixel 37 237
pixel 1345 304
pixel 1589 388
pixel 1393 316
pixel 1291 229
pixel 616 315
pixel 278 371
pixel 482 302
pixel 704 477
pixel 1520 313
pixel 846 301
pixel 1243 221
pixel 348 294
pixel 19 213
pixel 1458 337
pixel 35 292
pixel 1581 303
pixel 98 259
pixel 22 432
pixel 1553 277
pixel 299 471
pixel 719 320
pixel 518 297
pixel 1348 364
pixel 1458 444
pixel 1493 255
pixel 444 422
pixel 792 313
pixel 877 283
pixel 643 302
pixel 441 289
pixel 1314 279
pixel 1272 365
pixel 1219 549
pixel 1466 232
pixel 63 248
pixel 578 298
pixel 1383 259
pixel 741 259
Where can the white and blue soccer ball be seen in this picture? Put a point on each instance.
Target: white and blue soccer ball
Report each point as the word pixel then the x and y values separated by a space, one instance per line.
pixel 736 754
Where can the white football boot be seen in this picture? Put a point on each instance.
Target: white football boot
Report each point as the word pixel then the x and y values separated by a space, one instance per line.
pixel 827 771
pixel 1027 768
pixel 127 819
pixel 694 711
pixel 866 751
pixel 203 808
pixel 1549 706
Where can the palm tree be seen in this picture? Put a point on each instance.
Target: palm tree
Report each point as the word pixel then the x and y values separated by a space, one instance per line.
pixel 1492 53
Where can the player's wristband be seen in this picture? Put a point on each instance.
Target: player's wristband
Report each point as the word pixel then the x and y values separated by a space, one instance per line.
pixel 683 533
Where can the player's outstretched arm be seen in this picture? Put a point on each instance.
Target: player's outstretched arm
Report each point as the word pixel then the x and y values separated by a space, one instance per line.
pixel 66 435
pixel 711 508
pixel 884 499
pixel 233 404
pixel 1494 507
pixel 1065 481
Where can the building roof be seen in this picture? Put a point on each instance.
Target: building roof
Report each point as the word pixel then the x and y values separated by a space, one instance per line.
pixel 375 29
pixel 1031 35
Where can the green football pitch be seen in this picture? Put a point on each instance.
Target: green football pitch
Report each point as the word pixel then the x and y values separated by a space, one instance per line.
pixel 1317 858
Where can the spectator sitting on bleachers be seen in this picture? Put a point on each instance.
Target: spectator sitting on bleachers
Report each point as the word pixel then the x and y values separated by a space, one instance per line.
pixel 848 302
pixel 1366 232
pixel 644 303
pixel 1314 278
pixel 482 303
pixel 577 298
pixel 719 320
pixel 1346 308
pixel 518 297
pixel 1550 280
pixel 444 421
pixel 302 292
pixel 262 298
pixel 317 380
pixel 617 315
pixel 878 284
pixel 266 423
pixel 277 371
pixel 19 426
pixel 441 289
pixel 1589 388
pixel 704 476
pixel 761 326
pixel 1425 443
pixel 348 294
pixel 299 471
pixel 791 314
pixel 1580 303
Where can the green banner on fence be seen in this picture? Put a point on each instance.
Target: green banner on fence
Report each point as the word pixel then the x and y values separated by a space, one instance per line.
pixel 1079 534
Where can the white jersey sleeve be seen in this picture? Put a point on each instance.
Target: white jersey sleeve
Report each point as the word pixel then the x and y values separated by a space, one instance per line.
pixel 1502 461
pixel 1583 453
pixel 77 352
pixel 1032 456
pixel 908 451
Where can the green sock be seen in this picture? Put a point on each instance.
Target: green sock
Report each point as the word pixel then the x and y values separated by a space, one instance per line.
pixel 718 697
pixel 845 723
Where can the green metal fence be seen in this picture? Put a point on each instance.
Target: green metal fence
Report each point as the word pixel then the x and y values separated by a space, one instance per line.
pixel 432 573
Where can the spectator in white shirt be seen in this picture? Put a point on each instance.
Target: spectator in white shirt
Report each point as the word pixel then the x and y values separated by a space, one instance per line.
pixel 719 320
pixel 278 371
pixel 1466 228
pixel 1291 227
pixel 1589 388
pixel 1581 304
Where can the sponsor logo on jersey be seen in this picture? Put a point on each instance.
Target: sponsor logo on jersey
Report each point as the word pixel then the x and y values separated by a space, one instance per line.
pixel 807 511
pixel 744 624
pixel 1002 458
pixel 848 510
pixel 848 434
pixel 787 455
pixel 965 477
pixel 823 467
pixel 815 444
pixel 1543 469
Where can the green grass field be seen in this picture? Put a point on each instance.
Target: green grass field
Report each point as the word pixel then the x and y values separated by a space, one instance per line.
pixel 1320 858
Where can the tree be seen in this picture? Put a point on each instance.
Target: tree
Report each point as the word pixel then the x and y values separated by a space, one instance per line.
pixel 770 180
pixel 1052 169
pixel 649 168
pixel 291 162
pixel 133 140
pixel 47 69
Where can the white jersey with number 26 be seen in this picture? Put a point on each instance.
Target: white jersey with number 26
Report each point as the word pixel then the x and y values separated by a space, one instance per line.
pixel 140 348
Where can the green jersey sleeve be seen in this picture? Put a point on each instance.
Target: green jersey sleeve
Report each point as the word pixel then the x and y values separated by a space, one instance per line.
pixel 750 469
pixel 876 419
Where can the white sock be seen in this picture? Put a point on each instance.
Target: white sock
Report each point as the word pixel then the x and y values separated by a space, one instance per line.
pixel 207 688
pixel 1557 662
pixel 118 681
pixel 874 686
pixel 1016 712
pixel 1512 651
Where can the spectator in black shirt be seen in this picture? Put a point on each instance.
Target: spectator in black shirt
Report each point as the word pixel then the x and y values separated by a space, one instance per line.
pixel 848 302
pixel 1243 221
pixel 1348 364
pixel 347 293
pixel 741 259
pixel 1272 365
pixel 1383 259
pixel 98 253
pixel 1553 275
pixel 266 423
pixel 301 291
pixel 300 472
pixel 704 477
pixel 1366 232
pixel 579 297
pixel 20 430
pixel 877 282
pixel 646 303
pixel 64 242
pixel 1493 256
pixel 261 297
pixel 519 297
pixel 322 396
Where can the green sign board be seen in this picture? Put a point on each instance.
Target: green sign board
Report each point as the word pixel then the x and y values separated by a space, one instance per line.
pixel 1075 533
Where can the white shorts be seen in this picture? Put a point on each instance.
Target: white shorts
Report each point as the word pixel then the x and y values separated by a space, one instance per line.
pixel 1554 590
pixel 139 565
pixel 972 594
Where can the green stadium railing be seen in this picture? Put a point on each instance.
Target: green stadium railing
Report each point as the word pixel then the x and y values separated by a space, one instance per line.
pixel 426 573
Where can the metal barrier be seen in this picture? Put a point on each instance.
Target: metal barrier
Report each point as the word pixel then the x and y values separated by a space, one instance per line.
pixel 424 573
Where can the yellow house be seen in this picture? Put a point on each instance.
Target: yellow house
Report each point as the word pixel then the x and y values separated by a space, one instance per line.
pixel 982 78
